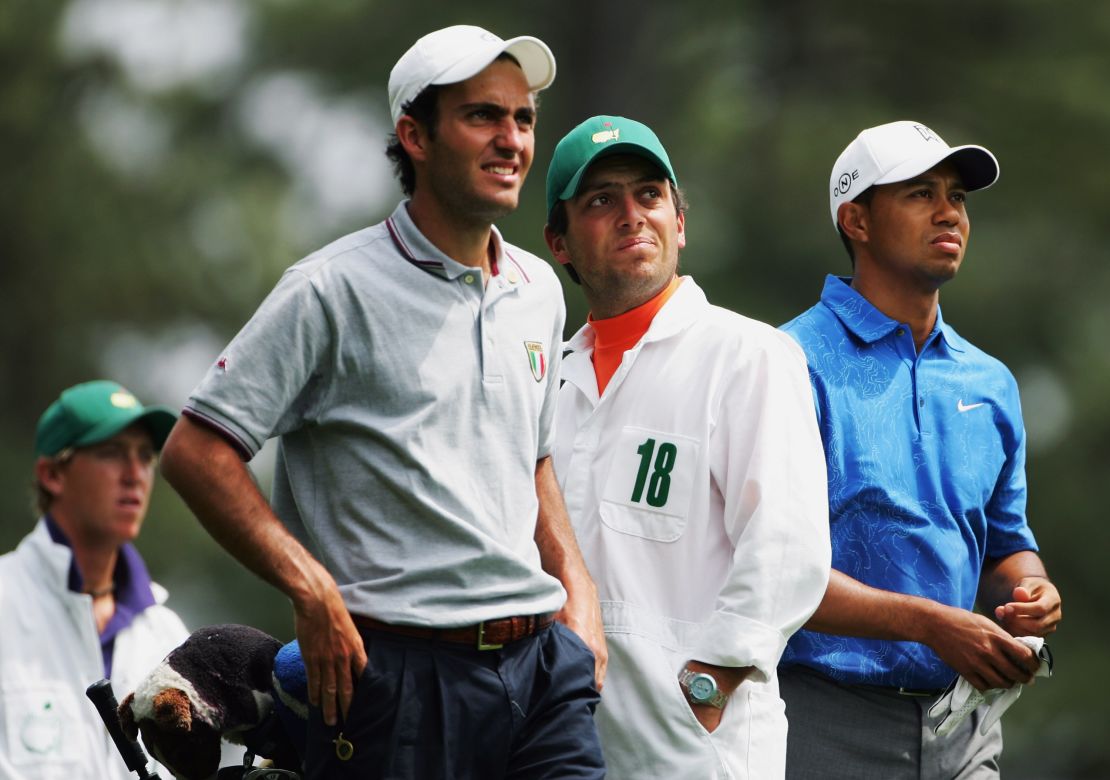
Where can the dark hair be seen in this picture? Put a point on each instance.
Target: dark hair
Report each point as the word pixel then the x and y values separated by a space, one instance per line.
pixel 557 220
pixel 864 199
pixel 424 108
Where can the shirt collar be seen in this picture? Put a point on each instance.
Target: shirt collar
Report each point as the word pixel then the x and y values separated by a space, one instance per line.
pixel 624 330
pixel 679 311
pixel 868 323
pixel 418 250
pixel 133 591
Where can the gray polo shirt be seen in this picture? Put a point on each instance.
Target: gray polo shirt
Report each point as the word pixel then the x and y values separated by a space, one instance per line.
pixel 412 406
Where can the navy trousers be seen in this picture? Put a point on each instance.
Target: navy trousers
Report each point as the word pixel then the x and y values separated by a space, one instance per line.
pixel 427 710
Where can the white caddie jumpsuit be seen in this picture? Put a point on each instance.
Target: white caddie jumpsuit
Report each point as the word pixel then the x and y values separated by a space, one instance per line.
pixel 697 489
pixel 50 653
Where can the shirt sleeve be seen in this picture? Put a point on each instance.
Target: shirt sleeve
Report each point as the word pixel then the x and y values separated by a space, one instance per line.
pixel 267 382
pixel 769 466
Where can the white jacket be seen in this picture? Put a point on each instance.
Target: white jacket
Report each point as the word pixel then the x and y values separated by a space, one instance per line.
pixel 50 653
pixel 697 489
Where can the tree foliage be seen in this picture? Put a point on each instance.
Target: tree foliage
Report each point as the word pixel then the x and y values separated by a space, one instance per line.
pixel 145 219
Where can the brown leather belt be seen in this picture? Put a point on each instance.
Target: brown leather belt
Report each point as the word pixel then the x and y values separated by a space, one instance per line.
pixel 487 635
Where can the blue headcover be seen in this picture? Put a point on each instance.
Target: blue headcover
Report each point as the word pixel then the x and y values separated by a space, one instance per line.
pixel 291 701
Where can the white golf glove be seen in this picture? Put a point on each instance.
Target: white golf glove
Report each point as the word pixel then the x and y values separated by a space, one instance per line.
pixel 961 698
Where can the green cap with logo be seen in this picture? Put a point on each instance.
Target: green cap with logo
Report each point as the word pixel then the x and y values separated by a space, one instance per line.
pixel 600 136
pixel 92 412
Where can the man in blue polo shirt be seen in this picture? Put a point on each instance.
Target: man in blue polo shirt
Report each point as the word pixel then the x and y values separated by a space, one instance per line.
pixel 926 460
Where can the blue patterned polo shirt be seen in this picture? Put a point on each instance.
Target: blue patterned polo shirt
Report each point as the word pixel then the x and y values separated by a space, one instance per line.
pixel 926 461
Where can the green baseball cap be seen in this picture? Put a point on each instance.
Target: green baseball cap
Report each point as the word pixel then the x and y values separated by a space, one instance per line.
pixel 92 412
pixel 600 136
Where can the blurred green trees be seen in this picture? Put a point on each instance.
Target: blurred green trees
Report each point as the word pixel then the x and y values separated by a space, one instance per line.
pixel 162 161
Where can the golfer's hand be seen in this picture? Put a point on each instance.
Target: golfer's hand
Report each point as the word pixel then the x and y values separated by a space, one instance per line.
pixel 981 651
pixel 1034 610
pixel 582 615
pixel 333 652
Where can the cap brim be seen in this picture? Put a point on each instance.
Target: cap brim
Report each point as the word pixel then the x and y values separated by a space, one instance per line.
pixel 609 150
pixel 977 166
pixel 158 420
pixel 536 61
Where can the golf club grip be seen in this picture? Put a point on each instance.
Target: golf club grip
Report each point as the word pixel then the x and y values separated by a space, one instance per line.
pixel 101 695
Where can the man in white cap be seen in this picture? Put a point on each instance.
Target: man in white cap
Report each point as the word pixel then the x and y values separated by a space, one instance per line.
pixel 410 370
pixel 925 448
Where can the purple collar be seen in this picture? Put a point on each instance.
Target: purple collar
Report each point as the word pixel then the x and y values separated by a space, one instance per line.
pixel 133 589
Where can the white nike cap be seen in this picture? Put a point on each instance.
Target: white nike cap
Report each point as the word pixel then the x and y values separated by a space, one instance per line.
pixel 898 151
pixel 456 53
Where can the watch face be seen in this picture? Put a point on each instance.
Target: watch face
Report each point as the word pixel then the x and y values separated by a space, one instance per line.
pixel 702 687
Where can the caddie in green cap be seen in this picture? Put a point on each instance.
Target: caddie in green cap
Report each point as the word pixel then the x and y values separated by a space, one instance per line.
pixel 687 449
pixel 76 600
pixel 597 138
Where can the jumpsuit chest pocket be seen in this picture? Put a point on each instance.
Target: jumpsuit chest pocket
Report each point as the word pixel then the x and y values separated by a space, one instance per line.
pixel 650 484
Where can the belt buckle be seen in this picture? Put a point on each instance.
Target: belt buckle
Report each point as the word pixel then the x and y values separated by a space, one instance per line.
pixel 482 644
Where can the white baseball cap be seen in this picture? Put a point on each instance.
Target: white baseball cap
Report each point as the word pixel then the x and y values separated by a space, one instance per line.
pixel 898 151
pixel 456 53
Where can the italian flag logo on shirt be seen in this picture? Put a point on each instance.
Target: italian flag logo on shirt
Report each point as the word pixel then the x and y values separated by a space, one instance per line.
pixel 536 359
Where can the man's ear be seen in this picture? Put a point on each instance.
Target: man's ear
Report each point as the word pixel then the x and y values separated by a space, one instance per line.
pixel 557 243
pixel 48 472
pixel 855 220
pixel 681 230
pixel 413 137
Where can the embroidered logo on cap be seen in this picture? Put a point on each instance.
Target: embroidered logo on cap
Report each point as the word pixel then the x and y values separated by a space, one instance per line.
pixel 604 136
pixel 536 359
pixel 123 400
pixel 926 133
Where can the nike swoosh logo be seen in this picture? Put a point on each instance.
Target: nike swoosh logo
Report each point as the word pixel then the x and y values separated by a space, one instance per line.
pixel 962 408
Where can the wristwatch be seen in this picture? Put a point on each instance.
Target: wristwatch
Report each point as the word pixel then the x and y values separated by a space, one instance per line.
pixel 701 688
